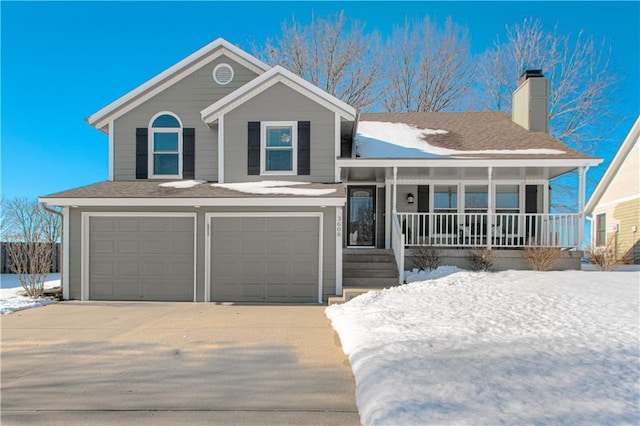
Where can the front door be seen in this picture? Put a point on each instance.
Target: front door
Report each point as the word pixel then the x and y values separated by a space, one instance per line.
pixel 361 210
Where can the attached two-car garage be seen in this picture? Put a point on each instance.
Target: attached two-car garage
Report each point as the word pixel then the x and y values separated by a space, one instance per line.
pixel 248 257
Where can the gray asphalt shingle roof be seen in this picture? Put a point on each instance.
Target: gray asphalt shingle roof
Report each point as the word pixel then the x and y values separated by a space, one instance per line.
pixel 478 131
pixel 152 189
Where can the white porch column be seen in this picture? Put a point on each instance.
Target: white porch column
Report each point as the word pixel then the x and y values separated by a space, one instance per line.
pixel 582 189
pixel 395 189
pixel 489 206
pixel 387 214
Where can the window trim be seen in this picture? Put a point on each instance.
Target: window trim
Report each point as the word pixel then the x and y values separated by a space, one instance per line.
pixel 601 242
pixel 151 151
pixel 263 148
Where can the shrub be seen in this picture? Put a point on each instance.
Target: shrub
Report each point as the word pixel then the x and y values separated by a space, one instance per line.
pixel 481 259
pixel 542 258
pixel 604 257
pixel 426 258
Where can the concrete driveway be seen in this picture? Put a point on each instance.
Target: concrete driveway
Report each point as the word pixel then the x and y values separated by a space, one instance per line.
pixel 174 363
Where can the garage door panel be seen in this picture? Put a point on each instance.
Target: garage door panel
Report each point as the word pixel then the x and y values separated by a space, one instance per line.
pixel 142 258
pixel 127 247
pixel 265 251
pixel 128 224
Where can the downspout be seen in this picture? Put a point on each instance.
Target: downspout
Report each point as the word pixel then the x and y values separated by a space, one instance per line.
pixel 61 257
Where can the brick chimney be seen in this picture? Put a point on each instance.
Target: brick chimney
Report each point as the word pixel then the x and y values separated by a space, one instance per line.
pixel 530 103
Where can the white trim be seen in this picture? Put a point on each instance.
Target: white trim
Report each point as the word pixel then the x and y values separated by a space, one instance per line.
pixel 85 238
pixel 465 162
pixel 209 216
pixel 215 77
pixel 150 147
pixel 263 148
pixel 277 74
pixel 172 75
pixel 339 236
pixel 190 202
pixel 621 155
pixel 337 147
pixel 65 253
pixel 221 149
pixel 111 150
pixel 614 202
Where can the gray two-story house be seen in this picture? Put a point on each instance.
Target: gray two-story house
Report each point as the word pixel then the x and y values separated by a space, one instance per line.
pixel 234 181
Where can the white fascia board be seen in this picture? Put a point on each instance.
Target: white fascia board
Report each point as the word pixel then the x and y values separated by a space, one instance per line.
pixel 276 74
pixel 191 202
pixel 172 75
pixel 465 162
pixel 627 145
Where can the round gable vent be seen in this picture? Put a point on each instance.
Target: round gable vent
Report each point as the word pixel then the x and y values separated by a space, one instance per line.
pixel 223 74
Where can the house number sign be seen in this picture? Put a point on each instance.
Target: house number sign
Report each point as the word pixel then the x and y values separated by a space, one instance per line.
pixel 339 225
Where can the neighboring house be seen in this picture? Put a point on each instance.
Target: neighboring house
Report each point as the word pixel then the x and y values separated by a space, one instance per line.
pixel 615 203
pixel 230 180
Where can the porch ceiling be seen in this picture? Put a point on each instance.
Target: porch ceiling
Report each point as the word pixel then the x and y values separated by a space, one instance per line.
pixel 380 174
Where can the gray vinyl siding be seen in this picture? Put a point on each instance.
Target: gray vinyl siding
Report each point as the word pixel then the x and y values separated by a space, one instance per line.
pixel 186 99
pixel 328 226
pixel 280 103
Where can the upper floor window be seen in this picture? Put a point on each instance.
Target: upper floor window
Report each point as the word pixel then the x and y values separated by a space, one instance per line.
pixel 165 140
pixel 278 143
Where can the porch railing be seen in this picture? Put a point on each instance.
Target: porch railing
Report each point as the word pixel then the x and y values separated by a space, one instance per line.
pixel 512 230
pixel 397 244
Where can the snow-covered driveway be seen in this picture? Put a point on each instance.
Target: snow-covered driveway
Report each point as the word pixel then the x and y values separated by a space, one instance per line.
pixel 488 348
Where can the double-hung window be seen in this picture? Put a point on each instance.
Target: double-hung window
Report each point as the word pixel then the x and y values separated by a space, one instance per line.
pixel 165 146
pixel 278 143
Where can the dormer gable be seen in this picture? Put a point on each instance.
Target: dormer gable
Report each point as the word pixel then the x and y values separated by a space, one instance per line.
pixel 100 120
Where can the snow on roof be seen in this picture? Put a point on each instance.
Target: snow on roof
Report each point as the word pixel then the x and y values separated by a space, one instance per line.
pixel 182 184
pixel 274 187
pixel 376 139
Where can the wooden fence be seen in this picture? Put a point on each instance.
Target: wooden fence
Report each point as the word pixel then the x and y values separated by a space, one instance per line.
pixel 5 258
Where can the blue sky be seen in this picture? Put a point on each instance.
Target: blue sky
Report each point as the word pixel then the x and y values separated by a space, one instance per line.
pixel 63 61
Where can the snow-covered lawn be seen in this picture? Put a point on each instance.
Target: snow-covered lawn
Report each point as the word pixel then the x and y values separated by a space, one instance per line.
pixel 515 347
pixel 12 295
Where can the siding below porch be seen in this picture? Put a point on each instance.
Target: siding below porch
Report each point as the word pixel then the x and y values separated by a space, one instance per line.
pixel 505 260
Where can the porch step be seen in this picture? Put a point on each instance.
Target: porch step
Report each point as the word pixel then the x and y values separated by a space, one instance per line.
pixel 348 294
pixel 364 270
pixel 385 272
pixel 365 282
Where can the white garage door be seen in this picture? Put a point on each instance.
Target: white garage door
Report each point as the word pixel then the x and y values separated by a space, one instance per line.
pixel 141 258
pixel 265 259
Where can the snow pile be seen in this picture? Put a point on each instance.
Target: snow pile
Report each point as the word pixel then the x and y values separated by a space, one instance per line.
pixel 514 347
pixel 268 187
pixel 182 184
pixel 12 295
pixel 418 275
pixel 375 139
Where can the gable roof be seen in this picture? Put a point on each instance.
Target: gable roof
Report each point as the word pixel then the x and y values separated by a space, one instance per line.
pixel 467 134
pixel 171 76
pixel 619 159
pixel 277 74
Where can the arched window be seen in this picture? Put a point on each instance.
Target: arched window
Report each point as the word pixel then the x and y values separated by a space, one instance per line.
pixel 165 140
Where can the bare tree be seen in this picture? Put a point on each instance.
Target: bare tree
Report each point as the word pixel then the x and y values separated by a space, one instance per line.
pixel 31 234
pixel 581 82
pixel 580 76
pixel 333 53
pixel 429 67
